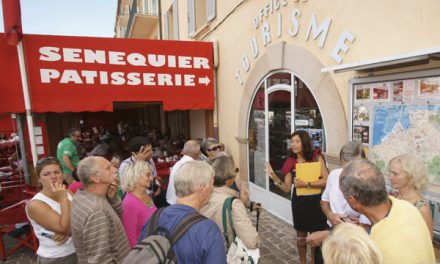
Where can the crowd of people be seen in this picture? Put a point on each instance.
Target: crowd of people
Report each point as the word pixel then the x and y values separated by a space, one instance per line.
pixel 116 204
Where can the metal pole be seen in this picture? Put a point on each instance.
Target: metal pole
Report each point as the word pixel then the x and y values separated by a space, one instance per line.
pixel 27 103
pixel 27 174
pixel 160 18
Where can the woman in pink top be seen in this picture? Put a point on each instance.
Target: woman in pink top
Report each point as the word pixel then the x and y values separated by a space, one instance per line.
pixel 76 184
pixel 137 204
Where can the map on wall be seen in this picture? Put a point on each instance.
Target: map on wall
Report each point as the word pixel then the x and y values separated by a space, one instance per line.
pixel 408 128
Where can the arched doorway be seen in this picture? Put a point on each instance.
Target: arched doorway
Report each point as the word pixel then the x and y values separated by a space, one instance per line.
pixel 282 103
pixel 305 67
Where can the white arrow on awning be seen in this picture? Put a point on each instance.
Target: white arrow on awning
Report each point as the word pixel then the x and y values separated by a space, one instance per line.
pixel 204 80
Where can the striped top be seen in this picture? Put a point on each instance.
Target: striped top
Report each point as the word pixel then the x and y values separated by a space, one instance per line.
pixel 97 231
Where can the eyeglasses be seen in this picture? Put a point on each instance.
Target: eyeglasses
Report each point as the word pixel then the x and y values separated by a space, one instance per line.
pixel 76 135
pixel 45 160
pixel 214 148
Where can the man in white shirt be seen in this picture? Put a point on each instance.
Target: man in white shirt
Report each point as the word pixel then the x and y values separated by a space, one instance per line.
pixel 333 203
pixel 191 151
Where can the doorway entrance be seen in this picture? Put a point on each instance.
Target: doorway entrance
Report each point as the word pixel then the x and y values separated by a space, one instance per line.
pixel 270 124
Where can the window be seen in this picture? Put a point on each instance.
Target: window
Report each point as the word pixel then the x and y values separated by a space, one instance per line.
pixel 171 22
pixel 200 12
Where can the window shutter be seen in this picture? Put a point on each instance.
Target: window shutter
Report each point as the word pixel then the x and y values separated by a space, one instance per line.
pixel 191 18
pixel 176 20
pixel 210 10
pixel 165 26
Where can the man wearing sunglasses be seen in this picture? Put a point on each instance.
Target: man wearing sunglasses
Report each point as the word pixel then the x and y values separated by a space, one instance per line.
pixel 67 153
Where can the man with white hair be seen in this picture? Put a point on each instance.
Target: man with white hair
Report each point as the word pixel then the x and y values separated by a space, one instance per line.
pixel 397 226
pixel 203 242
pixel 97 231
pixel 191 151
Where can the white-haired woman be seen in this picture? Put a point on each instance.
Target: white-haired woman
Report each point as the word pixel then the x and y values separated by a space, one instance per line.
pixel 137 204
pixel 350 244
pixel 225 173
pixel 407 174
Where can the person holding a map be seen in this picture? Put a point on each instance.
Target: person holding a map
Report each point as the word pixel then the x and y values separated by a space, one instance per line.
pixel 407 174
pixel 307 213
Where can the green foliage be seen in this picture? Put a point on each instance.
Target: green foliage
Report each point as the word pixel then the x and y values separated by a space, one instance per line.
pixel 434 168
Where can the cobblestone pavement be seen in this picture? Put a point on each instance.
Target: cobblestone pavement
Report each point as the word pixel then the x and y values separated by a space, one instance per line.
pixel 277 236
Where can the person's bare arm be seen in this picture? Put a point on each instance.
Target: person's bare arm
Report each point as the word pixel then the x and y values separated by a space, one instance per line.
pixel 315 239
pixel 285 185
pixel 68 163
pixel 333 218
pixel 43 214
pixel 427 216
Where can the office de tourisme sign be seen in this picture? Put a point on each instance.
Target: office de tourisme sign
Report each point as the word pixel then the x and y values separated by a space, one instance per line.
pixel 89 74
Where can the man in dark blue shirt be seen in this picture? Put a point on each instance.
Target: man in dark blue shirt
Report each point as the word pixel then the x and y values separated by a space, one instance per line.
pixel 203 242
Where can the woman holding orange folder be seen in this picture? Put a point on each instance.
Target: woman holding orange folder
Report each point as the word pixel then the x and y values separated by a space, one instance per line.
pixel 306 209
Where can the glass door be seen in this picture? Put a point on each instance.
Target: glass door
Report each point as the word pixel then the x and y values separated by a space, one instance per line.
pixel 282 104
pixel 278 130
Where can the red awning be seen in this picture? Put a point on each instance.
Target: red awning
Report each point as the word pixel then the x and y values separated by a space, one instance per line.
pixel 7 124
pixel 75 74
pixel 11 93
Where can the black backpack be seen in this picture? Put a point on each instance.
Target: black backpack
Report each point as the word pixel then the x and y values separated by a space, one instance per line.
pixel 155 247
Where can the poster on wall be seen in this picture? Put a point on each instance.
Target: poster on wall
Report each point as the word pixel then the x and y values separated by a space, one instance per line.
pixel 409 87
pixel 361 114
pixel 362 92
pixel 398 91
pixel 405 118
pixel 429 88
pixel 408 129
pixel 380 91
pixel 361 133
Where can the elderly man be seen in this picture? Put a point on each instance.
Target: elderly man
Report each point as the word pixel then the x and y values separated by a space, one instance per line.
pixel 67 153
pixel 97 231
pixel 203 242
pixel 191 151
pixel 397 226
pixel 333 203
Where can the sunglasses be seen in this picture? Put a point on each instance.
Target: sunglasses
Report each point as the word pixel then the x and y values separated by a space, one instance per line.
pixel 45 160
pixel 214 148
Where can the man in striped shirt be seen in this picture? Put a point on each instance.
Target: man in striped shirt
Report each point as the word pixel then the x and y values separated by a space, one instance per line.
pixel 97 231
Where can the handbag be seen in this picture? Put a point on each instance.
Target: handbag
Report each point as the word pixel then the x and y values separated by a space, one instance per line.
pixel 237 253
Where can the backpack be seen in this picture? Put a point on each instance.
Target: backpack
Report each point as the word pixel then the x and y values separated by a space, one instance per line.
pixel 155 247
pixel 237 252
